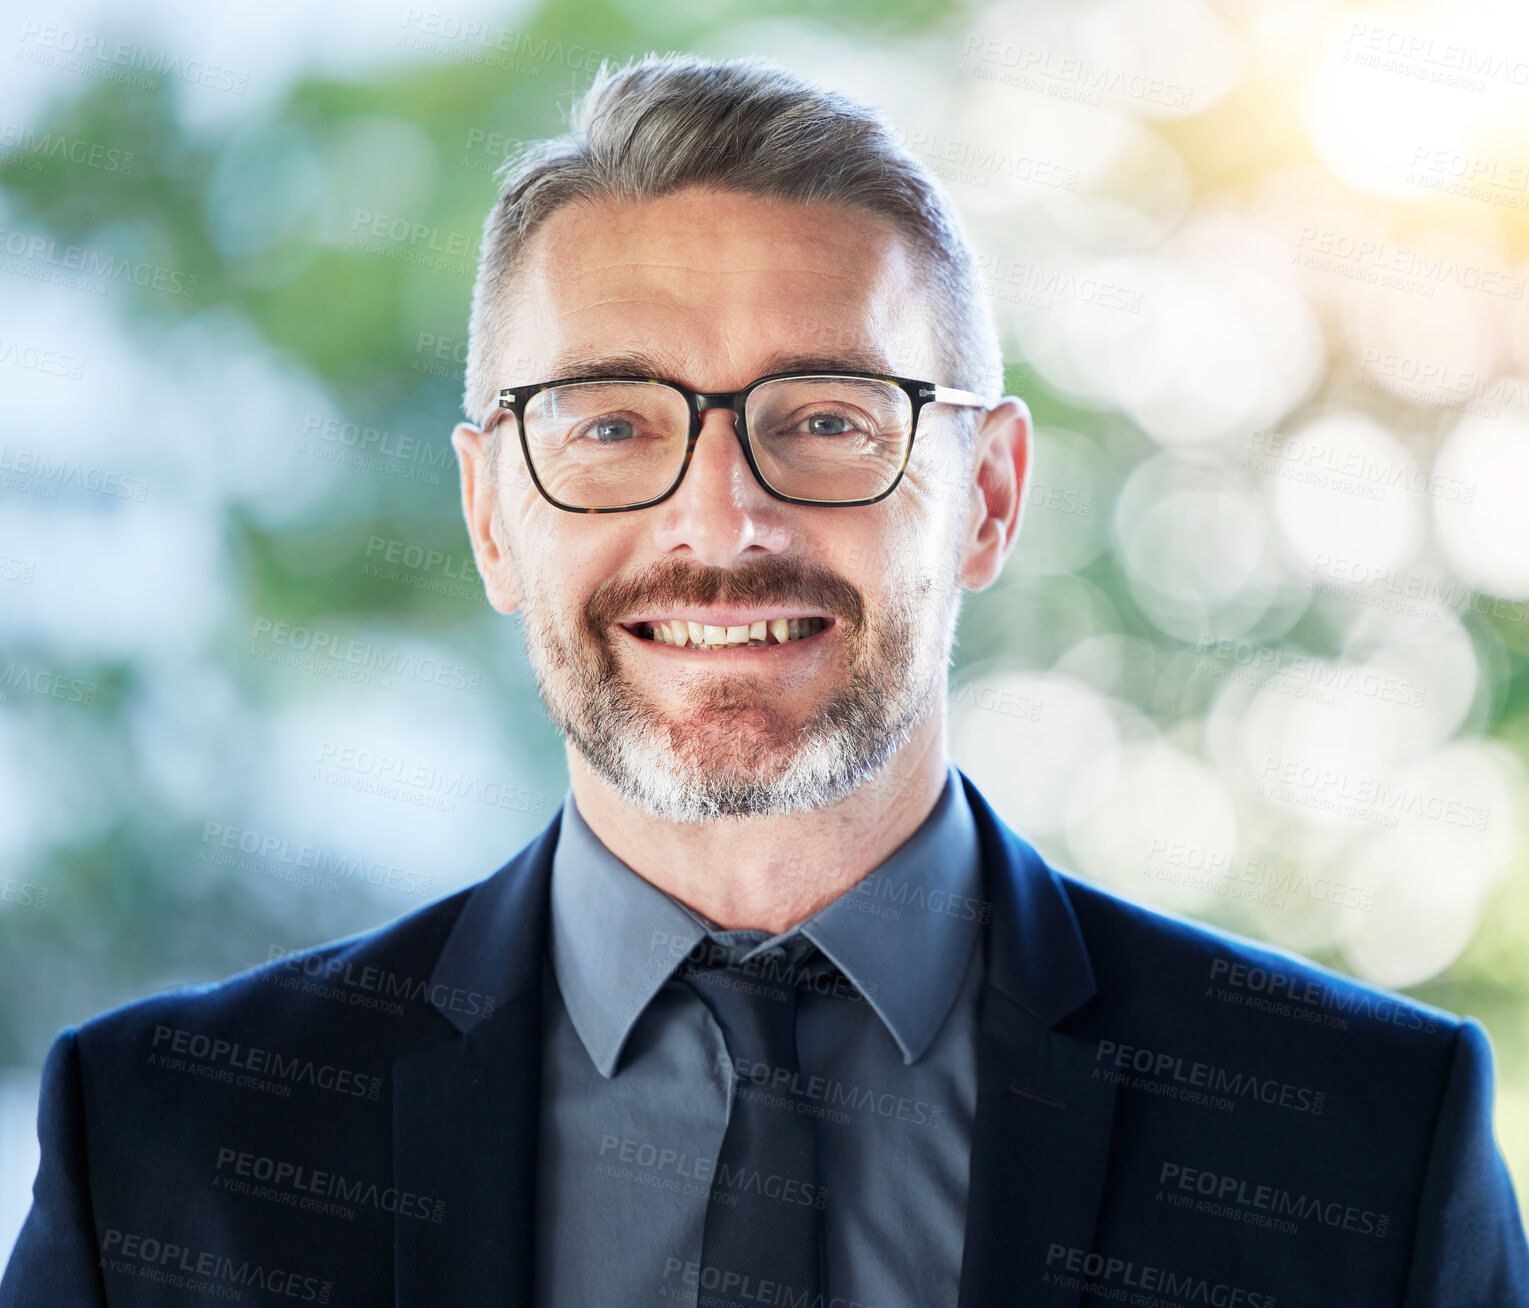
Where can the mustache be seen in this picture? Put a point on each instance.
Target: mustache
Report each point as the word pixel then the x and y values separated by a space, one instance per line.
pixel 771 580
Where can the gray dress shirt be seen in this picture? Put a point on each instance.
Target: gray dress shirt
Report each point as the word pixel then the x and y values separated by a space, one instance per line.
pixel 637 1082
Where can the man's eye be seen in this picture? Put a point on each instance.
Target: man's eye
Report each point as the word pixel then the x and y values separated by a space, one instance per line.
pixel 827 424
pixel 612 429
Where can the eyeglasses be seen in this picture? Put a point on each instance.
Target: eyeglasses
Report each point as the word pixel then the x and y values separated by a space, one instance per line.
pixel 610 444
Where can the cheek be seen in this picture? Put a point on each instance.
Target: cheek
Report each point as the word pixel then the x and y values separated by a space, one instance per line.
pixel 516 491
pixel 909 538
pixel 943 510
pixel 570 554
pixel 534 530
pixel 919 553
pixel 935 479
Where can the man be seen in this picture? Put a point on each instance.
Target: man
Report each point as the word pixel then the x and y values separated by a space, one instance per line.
pixel 775 1011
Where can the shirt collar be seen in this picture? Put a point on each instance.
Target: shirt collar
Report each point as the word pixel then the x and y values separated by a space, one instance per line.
pixel 616 937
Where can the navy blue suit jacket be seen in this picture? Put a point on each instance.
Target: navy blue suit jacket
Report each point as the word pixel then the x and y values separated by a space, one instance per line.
pixel 1167 1115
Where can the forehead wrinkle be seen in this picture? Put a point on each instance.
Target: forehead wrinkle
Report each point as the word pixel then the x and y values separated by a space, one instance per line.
pixel 879 299
pixel 568 311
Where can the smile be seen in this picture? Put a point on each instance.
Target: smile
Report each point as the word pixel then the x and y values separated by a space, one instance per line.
pixel 708 636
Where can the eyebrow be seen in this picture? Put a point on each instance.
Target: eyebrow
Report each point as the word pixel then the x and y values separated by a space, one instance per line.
pixel 638 363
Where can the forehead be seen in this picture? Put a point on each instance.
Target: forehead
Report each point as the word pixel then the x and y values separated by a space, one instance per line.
pixel 716 288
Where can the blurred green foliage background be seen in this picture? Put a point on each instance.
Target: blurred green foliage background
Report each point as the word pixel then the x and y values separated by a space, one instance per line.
pixel 282 378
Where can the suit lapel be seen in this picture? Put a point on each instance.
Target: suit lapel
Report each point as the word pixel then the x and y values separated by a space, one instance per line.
pixel 464 1138
pixel 466 1103
pixel 1040 1146
pixel 1040 1142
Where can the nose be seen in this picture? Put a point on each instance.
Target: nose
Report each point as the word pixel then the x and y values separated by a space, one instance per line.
pixel 720 512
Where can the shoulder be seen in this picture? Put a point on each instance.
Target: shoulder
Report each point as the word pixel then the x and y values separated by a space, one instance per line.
pixel 372 989
pixel 361 1001
pixel 1180 999
pixel 1130 944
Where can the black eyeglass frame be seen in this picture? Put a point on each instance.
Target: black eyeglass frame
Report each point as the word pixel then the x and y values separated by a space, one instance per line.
pixel 513 399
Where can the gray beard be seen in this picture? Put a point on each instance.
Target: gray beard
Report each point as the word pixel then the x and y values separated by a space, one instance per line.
pixel 729 753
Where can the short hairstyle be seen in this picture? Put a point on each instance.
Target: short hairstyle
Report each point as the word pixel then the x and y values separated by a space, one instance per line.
pixel 664 123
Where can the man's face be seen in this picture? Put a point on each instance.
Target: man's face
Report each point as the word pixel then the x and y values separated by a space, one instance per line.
pixel 715 290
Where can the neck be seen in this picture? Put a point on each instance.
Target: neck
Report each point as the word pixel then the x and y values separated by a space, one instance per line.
pixel 771 873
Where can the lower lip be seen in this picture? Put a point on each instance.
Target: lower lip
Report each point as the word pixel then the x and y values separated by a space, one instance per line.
pixel 740 651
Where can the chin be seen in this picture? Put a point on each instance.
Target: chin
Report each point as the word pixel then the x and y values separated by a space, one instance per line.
pixel 724 777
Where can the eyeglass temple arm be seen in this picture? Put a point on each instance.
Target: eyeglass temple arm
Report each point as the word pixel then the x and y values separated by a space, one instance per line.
pixel 965 399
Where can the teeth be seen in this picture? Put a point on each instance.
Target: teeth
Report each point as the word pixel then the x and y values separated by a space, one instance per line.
pixel 764 632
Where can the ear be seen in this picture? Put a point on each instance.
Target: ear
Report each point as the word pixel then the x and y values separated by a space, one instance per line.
pixel 494 553
pixel 1000 471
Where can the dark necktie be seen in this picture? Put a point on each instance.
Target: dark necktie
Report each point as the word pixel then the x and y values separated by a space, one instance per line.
pixel 762 1221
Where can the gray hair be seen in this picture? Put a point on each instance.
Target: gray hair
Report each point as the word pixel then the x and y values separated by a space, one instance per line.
pixel 664 123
